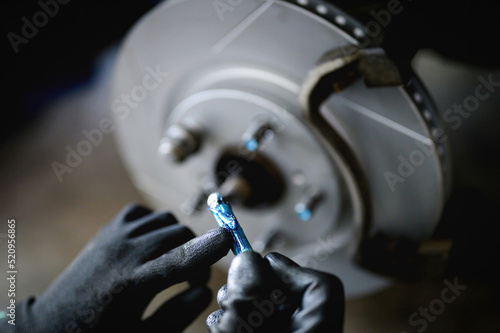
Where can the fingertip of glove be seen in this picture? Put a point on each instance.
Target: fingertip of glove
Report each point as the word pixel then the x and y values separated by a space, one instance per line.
pixel 165 215
pixel 156 221
pixel 220 237
pixel 222 294
pixel 213 319
pixel 335 283
pixel 224 232
pixel 134 211
pixel 278 258
pixel 209 247
pixel 248 273
pixel 246 261
pixel 288 271
pixel 296 276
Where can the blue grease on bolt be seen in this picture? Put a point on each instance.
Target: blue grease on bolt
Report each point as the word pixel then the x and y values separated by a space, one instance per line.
pixel 303 213
pixel 251 144
pixel 225 218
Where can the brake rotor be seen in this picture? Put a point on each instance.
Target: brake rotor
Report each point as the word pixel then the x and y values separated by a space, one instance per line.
pixel 227 117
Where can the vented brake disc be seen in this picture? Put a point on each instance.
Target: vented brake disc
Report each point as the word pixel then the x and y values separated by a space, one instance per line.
pixel 276 105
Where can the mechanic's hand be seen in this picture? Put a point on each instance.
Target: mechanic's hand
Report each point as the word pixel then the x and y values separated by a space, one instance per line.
pixel 134 257
pixel 274 294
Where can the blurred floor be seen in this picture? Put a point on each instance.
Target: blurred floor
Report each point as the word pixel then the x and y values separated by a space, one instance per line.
pixel 55 219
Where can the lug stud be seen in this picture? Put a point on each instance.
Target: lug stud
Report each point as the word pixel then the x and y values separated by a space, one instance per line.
pixel 178 143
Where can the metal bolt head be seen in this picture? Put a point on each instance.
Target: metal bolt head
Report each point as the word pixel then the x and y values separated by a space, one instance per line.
pixel 178 143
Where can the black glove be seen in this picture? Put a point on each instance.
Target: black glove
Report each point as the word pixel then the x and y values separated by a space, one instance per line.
pixel 274 294
pixel 108 286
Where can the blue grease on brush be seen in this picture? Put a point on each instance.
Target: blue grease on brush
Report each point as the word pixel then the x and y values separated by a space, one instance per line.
pixel 225 218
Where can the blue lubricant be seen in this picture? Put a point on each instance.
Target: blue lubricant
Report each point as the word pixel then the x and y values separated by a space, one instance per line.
pixel 225 218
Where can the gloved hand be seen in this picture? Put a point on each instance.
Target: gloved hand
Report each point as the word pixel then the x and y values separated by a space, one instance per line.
pixel 107 287
pixel 274 294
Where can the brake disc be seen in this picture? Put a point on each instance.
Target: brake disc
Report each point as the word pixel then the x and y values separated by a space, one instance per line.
pixel 234 114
